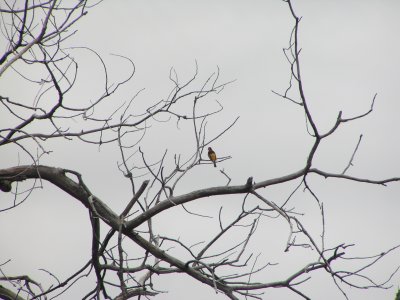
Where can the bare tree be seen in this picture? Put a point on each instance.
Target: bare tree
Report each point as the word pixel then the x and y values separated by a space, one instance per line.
pixel 36 33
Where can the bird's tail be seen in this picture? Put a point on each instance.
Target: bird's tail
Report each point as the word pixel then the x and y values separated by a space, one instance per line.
pixel 215 164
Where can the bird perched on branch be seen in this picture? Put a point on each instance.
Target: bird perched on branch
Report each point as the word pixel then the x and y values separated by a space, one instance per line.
pixel 212 156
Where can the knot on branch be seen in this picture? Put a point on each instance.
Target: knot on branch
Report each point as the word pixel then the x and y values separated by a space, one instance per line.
pixel 249 183
pixel 5 185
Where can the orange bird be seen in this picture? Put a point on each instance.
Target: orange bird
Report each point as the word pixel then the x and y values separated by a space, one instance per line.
pixel 212 156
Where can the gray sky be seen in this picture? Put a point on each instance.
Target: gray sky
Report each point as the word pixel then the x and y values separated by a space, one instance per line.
pixel 349 53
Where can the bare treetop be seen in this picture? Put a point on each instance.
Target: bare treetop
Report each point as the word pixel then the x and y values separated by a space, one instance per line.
pixel 130 251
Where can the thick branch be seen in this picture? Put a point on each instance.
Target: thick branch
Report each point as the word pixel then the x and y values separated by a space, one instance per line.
pixel 58 177
pixel 177 200
pixel 6 294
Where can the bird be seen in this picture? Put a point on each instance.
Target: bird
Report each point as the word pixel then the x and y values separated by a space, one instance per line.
pixel 212 156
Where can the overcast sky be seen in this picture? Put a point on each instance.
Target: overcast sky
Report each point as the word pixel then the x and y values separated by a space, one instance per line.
pixel 350 51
